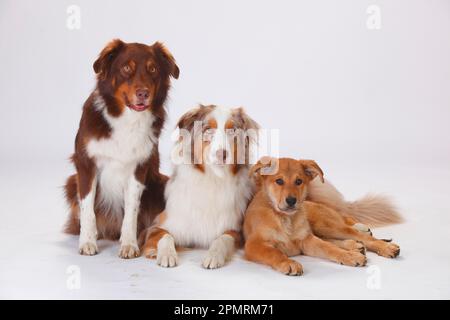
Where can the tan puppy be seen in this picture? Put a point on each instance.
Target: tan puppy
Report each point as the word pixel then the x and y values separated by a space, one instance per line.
pixel 279 223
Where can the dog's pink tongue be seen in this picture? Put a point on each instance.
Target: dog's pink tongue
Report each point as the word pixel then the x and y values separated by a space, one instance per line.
pixel 138 107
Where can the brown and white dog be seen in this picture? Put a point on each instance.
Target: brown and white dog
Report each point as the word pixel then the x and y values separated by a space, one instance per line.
pixel 208 192
pixel 279 223
pixel 116 148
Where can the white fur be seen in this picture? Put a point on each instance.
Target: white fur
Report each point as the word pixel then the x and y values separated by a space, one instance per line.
pixel 88 230
pixel 167 255
pixel 133 192
pixel 219 140
pixel 130 144
pixel 219 252
pixel 201 206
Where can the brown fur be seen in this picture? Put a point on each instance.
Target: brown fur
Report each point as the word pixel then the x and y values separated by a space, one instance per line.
pixel 275 230
pixel 150 67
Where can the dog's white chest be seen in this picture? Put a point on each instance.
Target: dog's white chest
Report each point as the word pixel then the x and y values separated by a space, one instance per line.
pixel 201 207
pixel 130 143
pixel 131 139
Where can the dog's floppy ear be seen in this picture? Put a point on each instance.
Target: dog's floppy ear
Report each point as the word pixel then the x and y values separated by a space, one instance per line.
pixel 247 122
pixel 167 59
pixel 188 119
pixel 106 57
pixel 264 166
pixel 312 169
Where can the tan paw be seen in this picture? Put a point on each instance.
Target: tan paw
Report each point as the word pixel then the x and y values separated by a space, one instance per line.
pixel 354 245
pixel 88 249
pixel 290 267
pixel 353 259
pixel 129 251
pixel 388 249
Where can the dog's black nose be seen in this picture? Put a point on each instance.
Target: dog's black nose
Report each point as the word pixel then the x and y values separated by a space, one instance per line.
pixel 142 93
pixel 291 201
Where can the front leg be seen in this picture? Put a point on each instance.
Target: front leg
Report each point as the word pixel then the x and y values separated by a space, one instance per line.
pixel 87 185
pixel 128 239
pixel 266 252
pixel 221 250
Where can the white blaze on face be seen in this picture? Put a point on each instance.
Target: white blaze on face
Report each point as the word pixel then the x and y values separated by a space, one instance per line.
pixel 219 140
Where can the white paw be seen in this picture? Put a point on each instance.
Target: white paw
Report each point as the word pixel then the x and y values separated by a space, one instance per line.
pixel 219 252
pixel 362 228
pixel 213 260
pixel 166 254
pixel 129 251
pixel 88 248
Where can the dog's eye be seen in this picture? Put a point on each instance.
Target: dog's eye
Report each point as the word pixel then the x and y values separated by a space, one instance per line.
pixel 126 68
pixel 298 182
pixel 152 69
pixel 279 182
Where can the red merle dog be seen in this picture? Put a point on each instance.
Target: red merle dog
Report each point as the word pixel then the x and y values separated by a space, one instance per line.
pixel 116 148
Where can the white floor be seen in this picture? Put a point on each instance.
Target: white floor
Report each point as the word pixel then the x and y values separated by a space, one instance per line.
pixel 38 261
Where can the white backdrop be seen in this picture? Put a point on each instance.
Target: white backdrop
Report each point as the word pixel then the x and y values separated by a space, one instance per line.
pixel 371 106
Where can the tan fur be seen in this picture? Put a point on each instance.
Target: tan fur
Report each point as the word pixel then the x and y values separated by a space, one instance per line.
pixel 274 231
pixel 372 210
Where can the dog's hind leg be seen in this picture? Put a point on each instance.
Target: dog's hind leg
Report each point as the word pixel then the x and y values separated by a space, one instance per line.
pixel 329 224
pixel 381 247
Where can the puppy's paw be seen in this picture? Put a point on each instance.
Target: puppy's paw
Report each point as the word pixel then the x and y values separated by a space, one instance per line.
pixel 351 245
pixel 356 246
pixel 129 251
pixel 353 259
pixel 88 248
pixel 166 253
pixel 290 267
pixel 362 228
pixel 388 249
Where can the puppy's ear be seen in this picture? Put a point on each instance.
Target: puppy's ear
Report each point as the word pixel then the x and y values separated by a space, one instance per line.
pixel 106 57
pixel 265 166
pixel 312 169
pixel 167 58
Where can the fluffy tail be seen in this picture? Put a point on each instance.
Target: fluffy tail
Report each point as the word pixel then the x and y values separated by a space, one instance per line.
pixel 72 225
pixel 372 210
